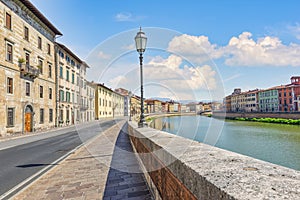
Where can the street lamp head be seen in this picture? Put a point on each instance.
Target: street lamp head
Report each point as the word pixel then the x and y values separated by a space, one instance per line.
pixel 140 41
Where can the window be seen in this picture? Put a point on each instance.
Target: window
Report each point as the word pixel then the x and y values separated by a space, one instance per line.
pixel 50 93
pixel 27 89
pixel 73 97
pixel 73 78
pixel 50 115
pixel 10 85
pixel 41 115
pixel 68 96
pixel 61 72
pixel 68 115
pixel 67 75
pixel 10 117
pixel 41 92
pixel 49 49
pixel 61 115
pixel 26 33
pixel 8 21
pixel 9 52
pixel 39 42
pixel 27 58
pixel 40 66
pixel 49 71
pixel 61 95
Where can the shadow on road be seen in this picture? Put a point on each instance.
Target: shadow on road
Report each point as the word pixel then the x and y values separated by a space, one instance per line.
pixel 35 165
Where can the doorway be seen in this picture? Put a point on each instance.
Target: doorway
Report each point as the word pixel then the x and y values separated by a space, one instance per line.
pixel 28 118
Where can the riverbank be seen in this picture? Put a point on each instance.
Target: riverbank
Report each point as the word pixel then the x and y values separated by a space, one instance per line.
pixel 233 115
pixel 279 118
pixel 153 116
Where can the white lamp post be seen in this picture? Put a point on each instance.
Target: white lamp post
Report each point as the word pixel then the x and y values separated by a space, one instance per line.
pixel 140 43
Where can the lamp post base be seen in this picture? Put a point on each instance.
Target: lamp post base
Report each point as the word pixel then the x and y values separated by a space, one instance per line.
pixel 142 124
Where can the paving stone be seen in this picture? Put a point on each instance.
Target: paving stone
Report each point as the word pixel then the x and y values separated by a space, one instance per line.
pixel 125 176
pixel 81 175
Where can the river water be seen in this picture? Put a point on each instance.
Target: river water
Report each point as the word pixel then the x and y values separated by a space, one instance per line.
pixel 275 143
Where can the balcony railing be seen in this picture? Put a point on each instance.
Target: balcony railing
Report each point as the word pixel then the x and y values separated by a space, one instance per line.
pixel 29 71
pixel 83 107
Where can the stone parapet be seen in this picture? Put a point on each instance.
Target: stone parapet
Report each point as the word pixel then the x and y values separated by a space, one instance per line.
pixel 179 168
pixel 231 115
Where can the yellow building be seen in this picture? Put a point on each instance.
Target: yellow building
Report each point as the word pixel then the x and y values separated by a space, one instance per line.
pixel 108 104
pixel 135 107
pixel 27 68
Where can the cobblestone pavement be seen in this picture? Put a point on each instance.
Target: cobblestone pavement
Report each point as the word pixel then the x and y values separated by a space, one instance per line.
pixel 86 174
pixel 125 178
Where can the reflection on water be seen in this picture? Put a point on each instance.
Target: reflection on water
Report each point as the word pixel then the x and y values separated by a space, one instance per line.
pixel 276 143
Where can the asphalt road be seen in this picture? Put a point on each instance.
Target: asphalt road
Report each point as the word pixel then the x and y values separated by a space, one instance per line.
pixel 21 161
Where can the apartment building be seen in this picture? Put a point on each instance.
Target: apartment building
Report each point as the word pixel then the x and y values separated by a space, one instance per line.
pixel 118 104
pixel 153 106
pixel 71 87
pixel 268 100
pixel 238 102
pixel 288 95
pixel 108 103
pixel 27 68
pixel 135 107
pixel 90 101
pixel 126 95
pixel 251 98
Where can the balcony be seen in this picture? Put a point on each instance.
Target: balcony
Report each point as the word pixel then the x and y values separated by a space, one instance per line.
pixel 28 71
pixel 83 107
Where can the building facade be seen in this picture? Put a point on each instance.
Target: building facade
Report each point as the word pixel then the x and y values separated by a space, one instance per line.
pixel 268 100
pixel 238 102
pixel 108 103
pixel 90 89
pixel 27 68
pixel 126 95
pixel 251 98
pixel 118 104
pixel 135 107
pixel 71 88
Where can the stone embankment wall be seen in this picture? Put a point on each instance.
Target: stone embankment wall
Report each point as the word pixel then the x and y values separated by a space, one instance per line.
pixel 231 115
pixel 179 168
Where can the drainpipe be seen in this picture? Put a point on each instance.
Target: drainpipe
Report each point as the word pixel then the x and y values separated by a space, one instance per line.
pixel 56 84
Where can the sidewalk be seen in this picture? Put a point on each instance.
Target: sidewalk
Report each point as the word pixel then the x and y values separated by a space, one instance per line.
pixel 89 173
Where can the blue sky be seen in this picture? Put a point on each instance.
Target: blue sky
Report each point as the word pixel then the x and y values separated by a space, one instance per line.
pixel 251 44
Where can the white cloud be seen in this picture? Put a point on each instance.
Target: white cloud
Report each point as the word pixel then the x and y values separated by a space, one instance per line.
pixel 170 73
pixel 127 17
pixel 196 48
pixel 103 55
pixel 129 47
pixel 240 51
pixel 124 16
pixel 119 80
pixel 266 51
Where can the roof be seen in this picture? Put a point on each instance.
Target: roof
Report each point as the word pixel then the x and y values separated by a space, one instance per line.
pixel 39 15
pixel 69 52
pixel 102 85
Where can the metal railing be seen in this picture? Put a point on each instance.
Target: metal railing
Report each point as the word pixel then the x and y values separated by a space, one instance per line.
pixel 28 70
